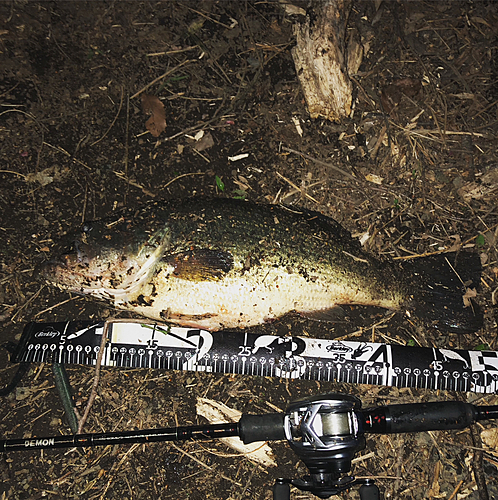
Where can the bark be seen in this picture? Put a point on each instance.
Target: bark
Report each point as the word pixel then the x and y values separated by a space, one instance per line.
pixel 320 61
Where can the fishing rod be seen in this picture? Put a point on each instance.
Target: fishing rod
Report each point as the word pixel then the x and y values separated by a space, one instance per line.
pixel 324 431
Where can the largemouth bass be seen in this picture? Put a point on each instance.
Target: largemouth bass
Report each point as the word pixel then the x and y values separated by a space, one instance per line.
pixel 221 263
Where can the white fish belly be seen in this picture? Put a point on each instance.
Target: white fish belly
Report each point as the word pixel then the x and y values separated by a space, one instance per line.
pixel 240 300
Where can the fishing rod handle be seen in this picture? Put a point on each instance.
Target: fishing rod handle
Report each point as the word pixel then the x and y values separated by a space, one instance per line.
pixel 417 417
pixel 269 427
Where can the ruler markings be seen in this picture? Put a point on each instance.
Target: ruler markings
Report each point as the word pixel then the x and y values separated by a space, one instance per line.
pixel 147 345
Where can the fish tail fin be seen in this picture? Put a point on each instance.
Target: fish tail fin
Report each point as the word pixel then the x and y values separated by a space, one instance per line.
pixel 441 290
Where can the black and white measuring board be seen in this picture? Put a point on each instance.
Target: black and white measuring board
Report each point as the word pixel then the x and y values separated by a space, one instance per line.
pixel 149 345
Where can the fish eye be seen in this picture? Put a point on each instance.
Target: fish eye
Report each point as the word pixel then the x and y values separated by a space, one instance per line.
pixel 86 228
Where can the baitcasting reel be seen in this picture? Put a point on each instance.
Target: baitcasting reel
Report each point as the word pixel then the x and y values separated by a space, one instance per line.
pixel 325 434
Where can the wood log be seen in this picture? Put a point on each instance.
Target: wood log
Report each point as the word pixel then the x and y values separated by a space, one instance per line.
pixel 320 62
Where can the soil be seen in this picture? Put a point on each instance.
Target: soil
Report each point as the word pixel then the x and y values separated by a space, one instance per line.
pixel 74 146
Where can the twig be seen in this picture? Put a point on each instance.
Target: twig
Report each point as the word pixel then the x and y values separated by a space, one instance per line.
pixel 85 202
pixel 427 133
pixel 164 75
pixel 180 176
pixel 302 191
pixel 15 173
pixel 40 416
pixel 123 176
pixel 120 463
pixel 189 455
pixel 127 136
pixel 320 162
pixel 380 139
pixel 205 158
pixel 194 127
pixel 33 297
pixel 62 150
pixel 456 490
pixel 477 465
pixel 417 255
pixel 96 378
pixel 210 18
pixel 113 121
pixel 169 52
pixel 437 252
pixel 39 313
pixel 385 319
pixel 454 270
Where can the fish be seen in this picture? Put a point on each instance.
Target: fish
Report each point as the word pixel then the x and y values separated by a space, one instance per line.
pixel 225 264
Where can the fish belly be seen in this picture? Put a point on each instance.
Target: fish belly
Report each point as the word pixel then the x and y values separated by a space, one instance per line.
pixel 241 300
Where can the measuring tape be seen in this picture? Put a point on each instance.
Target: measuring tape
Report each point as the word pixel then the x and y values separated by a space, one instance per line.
pixel 148 345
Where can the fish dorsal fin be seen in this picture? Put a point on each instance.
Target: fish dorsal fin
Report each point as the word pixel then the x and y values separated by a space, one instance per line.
pixel 202 264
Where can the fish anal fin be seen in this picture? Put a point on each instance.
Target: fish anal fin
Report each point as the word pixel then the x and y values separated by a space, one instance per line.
pixel 334 314
pixel 201 264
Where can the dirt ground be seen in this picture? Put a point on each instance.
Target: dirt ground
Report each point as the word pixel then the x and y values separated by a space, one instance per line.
pixel 74 146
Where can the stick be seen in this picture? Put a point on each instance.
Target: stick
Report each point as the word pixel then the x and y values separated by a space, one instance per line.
pixel 320 162
pixel 96 379
pixel 161 77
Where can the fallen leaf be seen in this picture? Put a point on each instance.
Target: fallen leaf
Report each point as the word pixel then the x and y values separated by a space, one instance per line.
pixel 376 179
pixel 470 293
pixel 456 244
pixel 216 413
pixel 486 186
pixel 155 108
pixel 392 94
pixel 44 177
pixel 409 86
pixel 490 439
pixel 205 142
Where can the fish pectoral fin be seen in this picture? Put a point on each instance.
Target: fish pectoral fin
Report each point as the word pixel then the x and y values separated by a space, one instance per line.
pixel 201 264
pixel 335 314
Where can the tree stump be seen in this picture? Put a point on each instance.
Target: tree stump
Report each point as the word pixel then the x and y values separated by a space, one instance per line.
pixel 320 61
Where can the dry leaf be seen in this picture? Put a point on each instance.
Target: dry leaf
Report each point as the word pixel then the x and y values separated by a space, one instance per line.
pixel 456 244
pixel 155 108
pixel 44 177
pixel 376 179
pixel 392 94
pixel 217 413
pixel 470 293
pixel 490 440
pixel 486 186
pixel 205 142
pixel 409 86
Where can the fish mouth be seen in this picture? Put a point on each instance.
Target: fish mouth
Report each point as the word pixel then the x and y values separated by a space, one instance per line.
pixel 87 277
pixel 73 260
